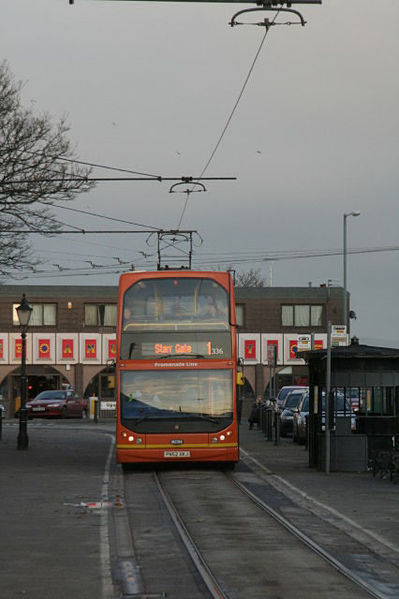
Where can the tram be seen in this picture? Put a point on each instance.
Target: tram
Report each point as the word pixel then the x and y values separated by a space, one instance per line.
pixel 176 368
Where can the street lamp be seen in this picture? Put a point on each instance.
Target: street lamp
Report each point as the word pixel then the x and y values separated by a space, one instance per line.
pixel 24 312
pixel 345 304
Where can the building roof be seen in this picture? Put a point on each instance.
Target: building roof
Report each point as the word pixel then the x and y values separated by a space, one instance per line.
pixel 286 293
pixel 54 291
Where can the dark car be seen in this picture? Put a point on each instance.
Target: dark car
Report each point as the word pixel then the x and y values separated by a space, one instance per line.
pixel 287 410
pixel 299 421
pixel 57 403
pixel 284 391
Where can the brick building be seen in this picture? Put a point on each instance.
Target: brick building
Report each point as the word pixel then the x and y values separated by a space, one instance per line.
pixel 71 336
pixel 282 316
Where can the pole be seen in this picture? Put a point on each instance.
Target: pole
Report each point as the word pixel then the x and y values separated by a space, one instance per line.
pixel 345 305
pixel 327 403
pixel 23 439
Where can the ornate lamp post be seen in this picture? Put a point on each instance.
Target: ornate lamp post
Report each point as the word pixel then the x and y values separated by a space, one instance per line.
pixel 24 312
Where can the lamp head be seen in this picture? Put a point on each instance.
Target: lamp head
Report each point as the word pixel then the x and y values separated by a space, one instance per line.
pixel 24 312
pixel 352 213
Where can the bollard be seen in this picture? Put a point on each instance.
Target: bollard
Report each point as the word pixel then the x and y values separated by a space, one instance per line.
pixel 269 424
pixel 277 428
pixel 307 431
pixel 93 408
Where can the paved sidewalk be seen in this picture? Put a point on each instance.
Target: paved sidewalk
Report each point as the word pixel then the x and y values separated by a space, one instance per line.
pixel 362 501
pixel 51 544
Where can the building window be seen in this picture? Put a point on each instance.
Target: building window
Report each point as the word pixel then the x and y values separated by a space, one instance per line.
pixel 42 315
pixel 287 316
pixel 316 316
pixel 301 315
pixel 240 315
pixel 101 315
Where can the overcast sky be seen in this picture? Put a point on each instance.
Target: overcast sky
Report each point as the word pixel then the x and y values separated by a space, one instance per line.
pixel 149 87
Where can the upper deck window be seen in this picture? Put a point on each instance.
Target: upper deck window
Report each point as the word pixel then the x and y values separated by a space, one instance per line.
pixel 175 304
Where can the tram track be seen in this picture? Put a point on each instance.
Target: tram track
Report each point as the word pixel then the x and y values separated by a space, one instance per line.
pixel 315 547
pixel 215 589
pixel 373 585
pixel 239 544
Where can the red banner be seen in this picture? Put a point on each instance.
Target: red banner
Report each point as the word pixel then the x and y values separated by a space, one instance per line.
pixel 18 349
pixel 318 344
pixel 67 349
pixel 111 348
pixel 293 349
pixel 44 348
pixel 250 349
pixel 1 349
pixel 91 349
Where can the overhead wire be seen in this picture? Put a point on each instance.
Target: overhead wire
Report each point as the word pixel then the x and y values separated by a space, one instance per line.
pixel 229 119
pixel 230 261
pixel 105 217
pixel 96 165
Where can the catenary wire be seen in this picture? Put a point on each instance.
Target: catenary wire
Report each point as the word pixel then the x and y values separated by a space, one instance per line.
pixel 229 119
pixel 103 269
pixel 105 217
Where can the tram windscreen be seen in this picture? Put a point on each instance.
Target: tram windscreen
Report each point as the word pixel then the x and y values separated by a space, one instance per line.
pixel 176 394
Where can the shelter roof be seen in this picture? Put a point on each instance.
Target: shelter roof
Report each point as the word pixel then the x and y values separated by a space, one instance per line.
pixel 354 350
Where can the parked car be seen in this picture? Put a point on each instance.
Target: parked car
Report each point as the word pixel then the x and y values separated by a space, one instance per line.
pixel 58 403
pixel 284 391
pixel 287 410
pixel 299 421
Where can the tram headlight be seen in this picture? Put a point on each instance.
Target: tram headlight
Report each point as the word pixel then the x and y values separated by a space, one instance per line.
pixel 139 441
pixel 214 439
pixel 131 438
pixel 222 437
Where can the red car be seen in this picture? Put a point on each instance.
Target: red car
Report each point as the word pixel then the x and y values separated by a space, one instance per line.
pixel 57 403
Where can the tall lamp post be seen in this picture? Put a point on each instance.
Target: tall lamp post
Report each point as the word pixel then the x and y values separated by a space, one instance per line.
pixel 345 303
pixel 24 312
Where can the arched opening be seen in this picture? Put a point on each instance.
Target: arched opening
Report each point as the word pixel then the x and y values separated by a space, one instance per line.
pixel 102 385
pixel 39 378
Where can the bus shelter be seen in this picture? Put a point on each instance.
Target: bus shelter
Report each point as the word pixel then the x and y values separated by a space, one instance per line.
pixel 363 405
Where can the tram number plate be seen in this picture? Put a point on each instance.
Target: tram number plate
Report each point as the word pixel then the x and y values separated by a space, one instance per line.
pixel 38 409
pixel 176 454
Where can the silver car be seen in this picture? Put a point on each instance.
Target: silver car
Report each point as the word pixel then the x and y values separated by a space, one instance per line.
pixel 299 426
pixel 288 408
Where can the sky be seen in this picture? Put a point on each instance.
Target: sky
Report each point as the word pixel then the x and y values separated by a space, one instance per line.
pixel 151 87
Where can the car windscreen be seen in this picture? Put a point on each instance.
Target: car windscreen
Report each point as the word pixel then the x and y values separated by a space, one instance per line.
pixel 51 395
pixel 292 400
pixel 283 394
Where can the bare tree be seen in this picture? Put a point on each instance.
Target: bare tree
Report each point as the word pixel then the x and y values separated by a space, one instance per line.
pixel 252 278
pixel 36 169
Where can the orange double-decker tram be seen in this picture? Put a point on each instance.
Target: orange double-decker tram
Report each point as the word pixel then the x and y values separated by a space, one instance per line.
pixel 176 368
